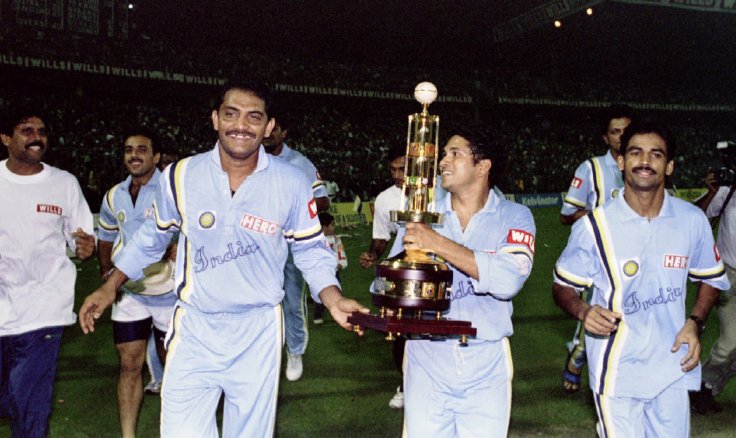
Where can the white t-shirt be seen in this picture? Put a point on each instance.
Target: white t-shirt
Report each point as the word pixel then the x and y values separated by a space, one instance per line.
pixel 386 201
pixel 727 225
pixel 39 213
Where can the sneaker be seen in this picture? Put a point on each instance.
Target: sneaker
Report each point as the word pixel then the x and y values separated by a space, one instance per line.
pixel 703 403
pixel 294 366
pixel 397 401
pixel 153 388
pixel 318 321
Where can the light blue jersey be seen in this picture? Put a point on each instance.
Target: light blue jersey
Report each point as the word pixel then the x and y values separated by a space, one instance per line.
pixel 297 159
pixel 595 182
pixel 120 219
pixel 639 268
pixel 498 232
pixel 232 248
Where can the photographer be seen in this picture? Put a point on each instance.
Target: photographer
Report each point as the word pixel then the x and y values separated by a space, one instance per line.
pixel 722 362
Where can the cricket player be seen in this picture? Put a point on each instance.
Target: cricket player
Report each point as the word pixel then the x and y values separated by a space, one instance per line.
pixel 637 253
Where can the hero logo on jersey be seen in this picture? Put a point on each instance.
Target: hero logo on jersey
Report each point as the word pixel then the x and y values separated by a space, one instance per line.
pixel 576 182
pixel 312 208
pixel 258 224
pixel 521 237
pixel 675 261
pixel 46 208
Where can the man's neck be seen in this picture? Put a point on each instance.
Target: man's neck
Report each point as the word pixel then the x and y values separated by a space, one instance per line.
pixel 646 204
pixel 22 168
pixel 238 170
pixel 277 150
pixel 469 201
pixel 140 181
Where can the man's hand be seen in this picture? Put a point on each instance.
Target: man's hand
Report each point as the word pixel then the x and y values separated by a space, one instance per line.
pixel 688 335
pixel 420 236
pixel 600 321
pixel 99 300
pixel 171 252
pixel 85 244
pixel 340 307
pixel 710 181
pixel 367 259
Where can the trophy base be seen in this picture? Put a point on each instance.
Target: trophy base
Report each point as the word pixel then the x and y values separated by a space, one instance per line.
pixel 413 328
pixel 409 303
pixel 426 217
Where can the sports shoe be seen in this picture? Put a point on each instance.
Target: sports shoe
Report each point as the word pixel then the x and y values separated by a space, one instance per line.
pixel 397 401
pixel 702 402
pixel 153 388
pixel 294 366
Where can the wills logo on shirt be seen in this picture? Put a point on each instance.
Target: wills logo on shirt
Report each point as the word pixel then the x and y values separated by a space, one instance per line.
pixel 576 182
pixel 675 261
pixel 312 208
pixel 258 224
pixel 46 208
pixel 521 237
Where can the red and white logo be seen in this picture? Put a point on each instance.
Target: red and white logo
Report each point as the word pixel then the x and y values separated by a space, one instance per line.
pixel 718 254
pixel 258 224
pixel 675 261
pixel 312 208
pixel 521 237
pixel 576 182
pixel 46 208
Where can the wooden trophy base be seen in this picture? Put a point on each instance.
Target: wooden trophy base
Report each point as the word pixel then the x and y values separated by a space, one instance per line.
pixel 420 328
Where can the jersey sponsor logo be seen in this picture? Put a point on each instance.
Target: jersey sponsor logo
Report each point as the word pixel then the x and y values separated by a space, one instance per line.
pixel 718 254
pixel 675 261
pixel 258 224
pixel 521 237
pixel 576 183
pixel 631 267
pixel 47 208
pixel 312 208
pixel 206 220
pixel 148 213
pixel 121 216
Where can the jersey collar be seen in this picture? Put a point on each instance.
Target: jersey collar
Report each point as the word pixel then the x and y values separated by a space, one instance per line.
pixel 262 158
pixel 627 213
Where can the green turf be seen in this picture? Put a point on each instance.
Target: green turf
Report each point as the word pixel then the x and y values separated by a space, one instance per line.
pixel 348 381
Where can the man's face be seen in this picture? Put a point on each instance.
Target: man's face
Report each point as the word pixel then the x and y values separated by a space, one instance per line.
pixel 139 157
pixel 276 139
pixel 397 171
pixel 28 142
pixel 241 123
pixel 645 163
pixel 457 168
pixel 616 127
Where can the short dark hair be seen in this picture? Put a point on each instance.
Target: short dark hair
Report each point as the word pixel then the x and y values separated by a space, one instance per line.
pixel 253 87
pixel 278 112
pixel 484 145
pixel 649 126
pixel 616 111
pixel 145 132
pixel 326 218
pixel 395 152
pixel 17 114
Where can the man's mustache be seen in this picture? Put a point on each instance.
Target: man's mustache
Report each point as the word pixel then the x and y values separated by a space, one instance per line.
pixel 647 168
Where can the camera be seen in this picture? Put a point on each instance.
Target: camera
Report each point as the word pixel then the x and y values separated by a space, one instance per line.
pixel 726 173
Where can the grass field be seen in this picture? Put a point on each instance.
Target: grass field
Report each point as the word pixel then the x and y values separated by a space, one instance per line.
pixel 348 381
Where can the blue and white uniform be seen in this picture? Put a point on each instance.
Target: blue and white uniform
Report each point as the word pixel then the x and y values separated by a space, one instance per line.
pixel 595 182
pixel 295 304
pixel 226 333
pixel 466 391
pixel 639 268
pixel 120 218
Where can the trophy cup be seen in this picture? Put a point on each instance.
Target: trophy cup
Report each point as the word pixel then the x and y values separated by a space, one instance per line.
pixel 412 289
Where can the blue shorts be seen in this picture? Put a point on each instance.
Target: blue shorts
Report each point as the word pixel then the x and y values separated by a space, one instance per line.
pixel 27 374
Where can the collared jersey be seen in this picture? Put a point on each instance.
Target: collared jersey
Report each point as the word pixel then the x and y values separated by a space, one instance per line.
pixel 232 248
pixel 38 214
pixel 120 218
pixel 310 171
pixel 497 235
pixel 639 268
pixel 387 200
pixel 726 226
pixel 595 182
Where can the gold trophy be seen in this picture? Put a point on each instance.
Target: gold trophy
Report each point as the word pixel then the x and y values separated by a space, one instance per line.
pixel 412 289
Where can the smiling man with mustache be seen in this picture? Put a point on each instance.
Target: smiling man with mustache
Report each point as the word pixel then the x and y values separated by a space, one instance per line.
pixel 641 247
pixel 244 207
pixel 43 213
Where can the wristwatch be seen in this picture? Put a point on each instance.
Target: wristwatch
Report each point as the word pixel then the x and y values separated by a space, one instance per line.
pixel 699 323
